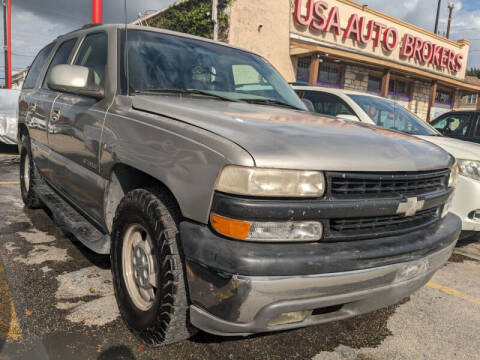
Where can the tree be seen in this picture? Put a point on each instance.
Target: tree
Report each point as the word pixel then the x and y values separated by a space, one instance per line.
pixel 473 72
pixel 193 17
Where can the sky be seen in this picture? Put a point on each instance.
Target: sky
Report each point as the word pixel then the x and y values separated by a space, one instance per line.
pixel 37 22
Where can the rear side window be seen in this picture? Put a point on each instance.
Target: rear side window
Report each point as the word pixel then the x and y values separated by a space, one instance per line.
pixel 61 57
pixel 93 54
pixel 328 104
pixel 37 66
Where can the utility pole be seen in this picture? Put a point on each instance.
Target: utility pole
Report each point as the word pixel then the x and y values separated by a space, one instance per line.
pixel 97 11
pixel 215 19
pixel 450 9
pixel 438 15
pixel 7 32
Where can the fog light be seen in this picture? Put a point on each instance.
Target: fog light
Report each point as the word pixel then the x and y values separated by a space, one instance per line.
pixel 412 270
pixel 475 215
pixel 282 231
pixel 289 318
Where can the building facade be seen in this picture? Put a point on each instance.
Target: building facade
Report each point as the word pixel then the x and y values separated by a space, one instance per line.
pixel 343 44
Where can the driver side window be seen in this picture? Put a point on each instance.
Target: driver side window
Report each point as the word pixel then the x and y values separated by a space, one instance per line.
pixel 454 124
pixel 93 54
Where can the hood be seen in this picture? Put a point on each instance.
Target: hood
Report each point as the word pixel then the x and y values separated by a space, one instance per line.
pixel 458 148
pixel 279 137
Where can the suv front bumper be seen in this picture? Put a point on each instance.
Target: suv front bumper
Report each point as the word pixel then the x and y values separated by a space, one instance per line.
pixel 231 296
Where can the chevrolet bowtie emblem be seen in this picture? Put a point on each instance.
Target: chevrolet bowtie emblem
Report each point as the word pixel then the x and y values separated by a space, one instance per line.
pixel 410 207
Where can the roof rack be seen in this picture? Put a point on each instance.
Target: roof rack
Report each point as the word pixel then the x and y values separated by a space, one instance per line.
pixel 84 27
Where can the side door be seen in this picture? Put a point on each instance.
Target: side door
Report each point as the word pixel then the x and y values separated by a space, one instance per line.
pixel 458 125
pixel 34 116
pixel 75 133
pixel 45 98
pixel 476 128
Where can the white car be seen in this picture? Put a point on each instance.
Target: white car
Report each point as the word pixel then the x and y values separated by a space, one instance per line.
pixel 8 115
pixel 372 109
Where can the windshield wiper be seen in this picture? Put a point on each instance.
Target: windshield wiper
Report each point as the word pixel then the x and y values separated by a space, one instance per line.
pixel 186 92
pixel 269 102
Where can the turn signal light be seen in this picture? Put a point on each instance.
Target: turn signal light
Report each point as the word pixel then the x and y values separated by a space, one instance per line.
pixel 232 228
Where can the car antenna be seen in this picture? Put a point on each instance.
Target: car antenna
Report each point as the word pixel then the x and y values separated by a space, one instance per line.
pixel 127 73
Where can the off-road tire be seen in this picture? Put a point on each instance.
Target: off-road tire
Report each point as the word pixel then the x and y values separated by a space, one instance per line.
pixel 166 322
pixel 29 196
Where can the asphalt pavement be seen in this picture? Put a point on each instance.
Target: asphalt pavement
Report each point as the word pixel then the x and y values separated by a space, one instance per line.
pixel 57 302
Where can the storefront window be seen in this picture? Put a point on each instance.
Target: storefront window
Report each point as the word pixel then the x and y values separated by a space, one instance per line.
pixel 303 68
pixel 329 75
pixel 443 97
pixel 399 88
pixel 374 84
pixel 471 99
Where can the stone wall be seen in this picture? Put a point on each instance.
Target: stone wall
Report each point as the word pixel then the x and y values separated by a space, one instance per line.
pixel 460 102
pixel 457 100
pixel 356 78
pixel 420 97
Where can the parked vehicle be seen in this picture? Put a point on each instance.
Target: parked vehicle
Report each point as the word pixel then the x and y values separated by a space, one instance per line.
pixel 372 109
pixel 8 116
pixel 462 125
pixel 223 204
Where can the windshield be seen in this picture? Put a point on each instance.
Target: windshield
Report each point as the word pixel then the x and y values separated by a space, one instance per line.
pixel 159 61
pixel 386 114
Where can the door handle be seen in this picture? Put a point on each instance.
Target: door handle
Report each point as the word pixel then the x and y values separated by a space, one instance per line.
pixel 32 107
pixel 55 115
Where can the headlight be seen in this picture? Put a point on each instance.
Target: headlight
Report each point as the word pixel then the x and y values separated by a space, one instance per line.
pixel 284 231
pixel 452 180
pixel 271 182
pixel 469 168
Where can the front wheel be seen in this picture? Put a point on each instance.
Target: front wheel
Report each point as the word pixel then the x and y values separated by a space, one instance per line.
pixel 147 267
pixel 28 176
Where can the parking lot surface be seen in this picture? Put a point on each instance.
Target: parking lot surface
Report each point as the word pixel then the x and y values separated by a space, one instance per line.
pixel 57 302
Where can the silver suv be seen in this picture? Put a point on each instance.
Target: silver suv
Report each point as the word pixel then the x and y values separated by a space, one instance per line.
pixel 223 204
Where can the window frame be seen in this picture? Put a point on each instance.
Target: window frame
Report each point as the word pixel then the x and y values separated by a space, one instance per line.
pixel 59 43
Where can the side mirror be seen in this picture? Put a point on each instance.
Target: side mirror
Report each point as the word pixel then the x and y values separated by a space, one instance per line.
pixel 348 117
pixel 309 105
pixel 74 79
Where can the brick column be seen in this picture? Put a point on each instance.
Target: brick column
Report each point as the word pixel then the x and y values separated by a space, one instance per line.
pixel 478 101
pixel 431 100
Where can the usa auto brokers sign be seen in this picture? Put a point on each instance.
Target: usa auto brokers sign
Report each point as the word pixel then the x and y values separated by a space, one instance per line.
pixel 319 17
